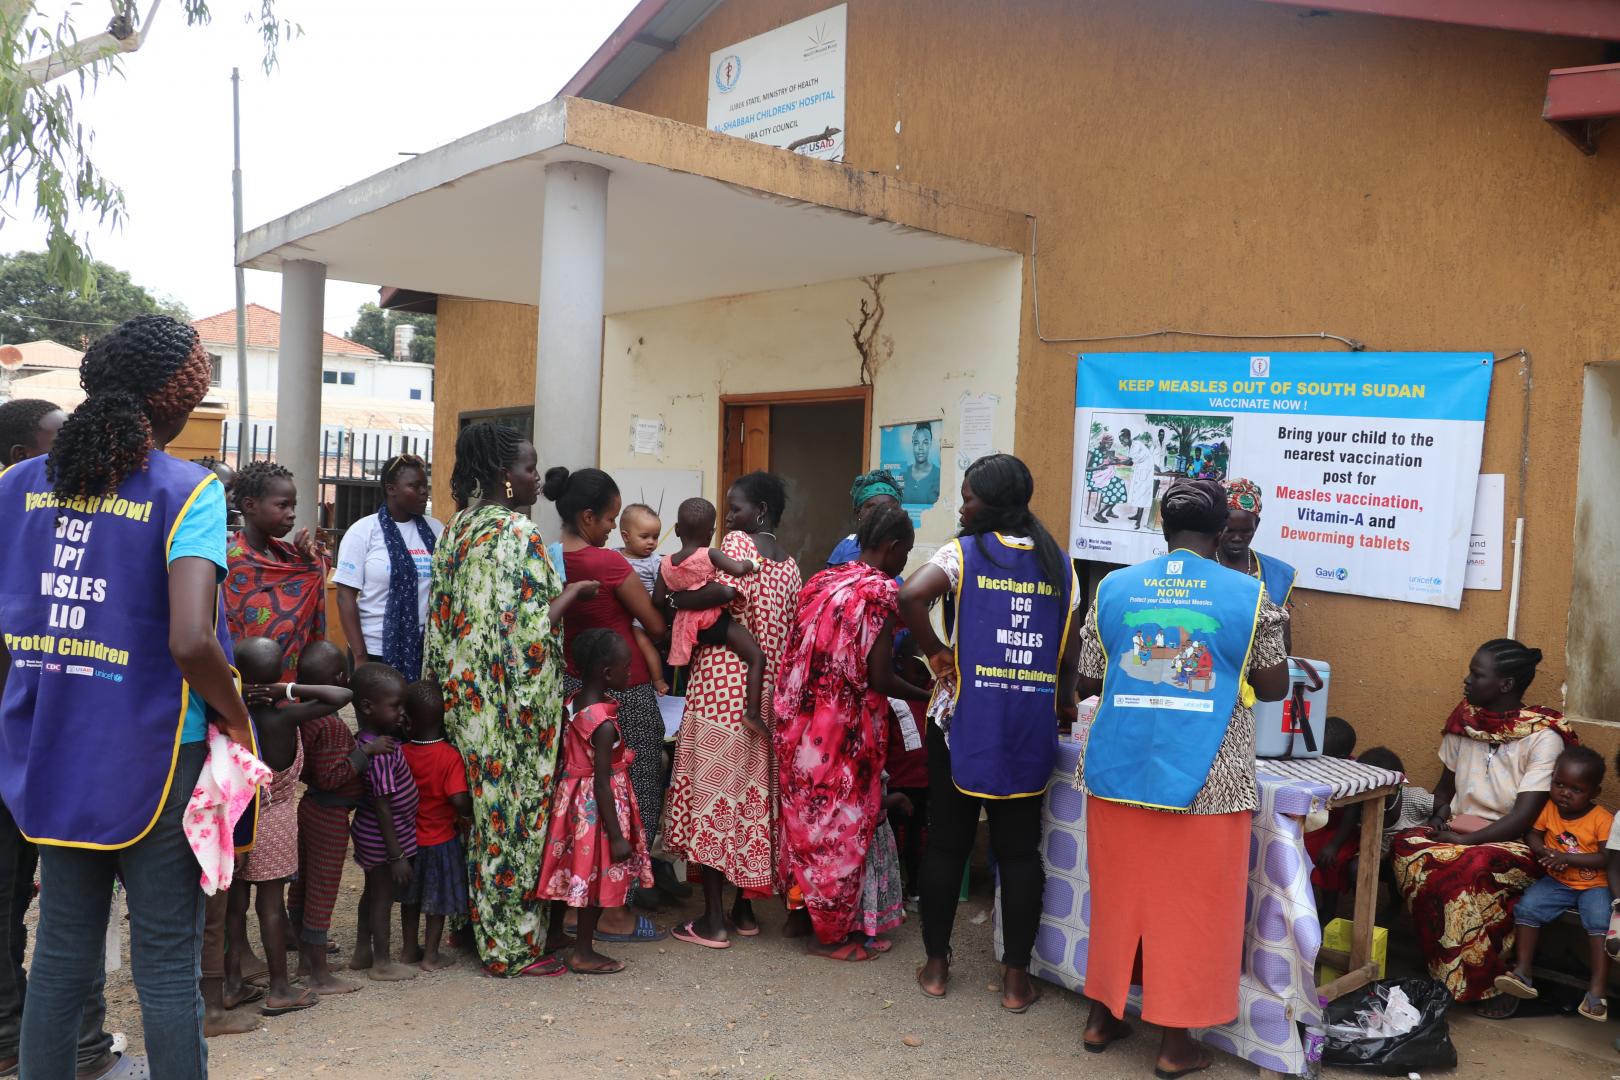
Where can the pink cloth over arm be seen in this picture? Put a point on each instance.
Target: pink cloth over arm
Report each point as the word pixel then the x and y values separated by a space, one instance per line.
pixel 229 778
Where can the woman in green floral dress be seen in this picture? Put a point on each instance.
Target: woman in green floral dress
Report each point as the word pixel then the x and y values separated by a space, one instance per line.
pixel 494 642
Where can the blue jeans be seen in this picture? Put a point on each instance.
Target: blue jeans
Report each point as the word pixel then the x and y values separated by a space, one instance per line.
pixel 18 859
pixel 160 877
pixel 1547 898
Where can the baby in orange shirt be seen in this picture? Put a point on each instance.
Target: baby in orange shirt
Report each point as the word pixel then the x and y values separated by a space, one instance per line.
pixel 1568 839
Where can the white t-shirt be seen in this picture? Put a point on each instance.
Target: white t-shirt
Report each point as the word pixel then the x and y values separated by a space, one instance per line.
pixel 362 563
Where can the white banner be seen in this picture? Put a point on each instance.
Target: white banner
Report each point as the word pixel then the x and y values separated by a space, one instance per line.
pixel 784 87
pixel 1367 462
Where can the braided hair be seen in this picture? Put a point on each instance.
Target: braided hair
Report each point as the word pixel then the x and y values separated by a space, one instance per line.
pixel 1513 660
pixel 884 524
pixel 254 481
pixel 151 370
pixel 596 647
pixel 766 490
pixel 1004 485
pixel 19 424
pixel 482 451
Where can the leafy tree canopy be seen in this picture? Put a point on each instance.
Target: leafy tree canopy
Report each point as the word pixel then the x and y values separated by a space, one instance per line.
pixel 34 306
pixel 375 327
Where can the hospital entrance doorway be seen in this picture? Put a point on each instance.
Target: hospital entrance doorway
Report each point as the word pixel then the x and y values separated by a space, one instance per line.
pixel 817 441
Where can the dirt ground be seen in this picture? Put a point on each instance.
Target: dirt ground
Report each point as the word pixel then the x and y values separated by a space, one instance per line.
pixel 760 1009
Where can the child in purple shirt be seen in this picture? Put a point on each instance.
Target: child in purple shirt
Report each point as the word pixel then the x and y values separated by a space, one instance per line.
pixel 384 827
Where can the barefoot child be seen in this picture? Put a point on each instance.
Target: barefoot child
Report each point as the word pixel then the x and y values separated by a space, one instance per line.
pixel 640 529
pixel 594 856
pixel 277 710
pixel 1568 839
pixel 439 880
pixel 688 570
pixel 384 826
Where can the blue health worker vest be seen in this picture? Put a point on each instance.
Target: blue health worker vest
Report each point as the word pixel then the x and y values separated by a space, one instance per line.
pixel 1278 577
pixel 1165 708
pixel 1010 625
pixel 94 705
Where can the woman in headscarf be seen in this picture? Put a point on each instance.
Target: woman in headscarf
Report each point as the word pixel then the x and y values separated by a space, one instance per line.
pixel 1236 551
pixel 1462 873
pixel 870 492
pixel 383 567
pixel 1169 774
pixel 98 770
pixel 832 707
pixel 993 741
pixel 494 642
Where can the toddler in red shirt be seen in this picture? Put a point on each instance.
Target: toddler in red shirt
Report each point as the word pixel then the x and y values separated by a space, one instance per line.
pixel 439 881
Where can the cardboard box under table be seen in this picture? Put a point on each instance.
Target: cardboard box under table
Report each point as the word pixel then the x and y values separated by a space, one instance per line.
pixel 1277 993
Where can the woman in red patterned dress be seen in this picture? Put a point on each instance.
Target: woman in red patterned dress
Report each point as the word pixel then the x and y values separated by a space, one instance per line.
pixel 720 813
pixel 832 706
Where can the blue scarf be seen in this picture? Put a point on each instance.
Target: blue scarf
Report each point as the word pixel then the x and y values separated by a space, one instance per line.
pixel 402 622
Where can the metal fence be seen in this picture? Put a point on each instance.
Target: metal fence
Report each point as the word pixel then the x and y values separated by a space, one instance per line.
pixel 350 465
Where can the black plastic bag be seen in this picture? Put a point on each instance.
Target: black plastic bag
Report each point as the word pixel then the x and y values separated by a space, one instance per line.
pixel 1427 1046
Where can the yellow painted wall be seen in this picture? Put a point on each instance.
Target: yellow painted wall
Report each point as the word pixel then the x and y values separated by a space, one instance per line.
pixel 1244 167
pixel 488 363
pixel 951 328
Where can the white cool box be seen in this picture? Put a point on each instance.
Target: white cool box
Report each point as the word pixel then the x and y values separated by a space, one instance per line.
pixel 1279 730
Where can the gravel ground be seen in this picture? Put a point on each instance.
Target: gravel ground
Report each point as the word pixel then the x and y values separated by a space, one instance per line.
pixel 760 1009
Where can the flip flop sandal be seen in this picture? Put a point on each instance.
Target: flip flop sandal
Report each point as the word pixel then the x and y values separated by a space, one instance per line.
pixel 1594 1008
pixel 1515 985
pixel 1174 1074
pixel 878 945
pixel 846 953
pixel 258 978
pixel 685 932
pixel 740 931
pixel 929 993
pixel 618 966
pixel 307 1000
pixel 1019 1010
pixel 250 994
pixel 645 931
pixel 546 967
pixel 1121 1031
pixel 129 1067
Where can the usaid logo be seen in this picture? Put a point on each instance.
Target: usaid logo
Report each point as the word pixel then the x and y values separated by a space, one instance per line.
pixel 727 72
pixel 1337 573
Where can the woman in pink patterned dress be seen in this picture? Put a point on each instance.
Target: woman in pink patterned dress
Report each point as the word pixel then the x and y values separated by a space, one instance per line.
pixel 720 813
pixel 832 706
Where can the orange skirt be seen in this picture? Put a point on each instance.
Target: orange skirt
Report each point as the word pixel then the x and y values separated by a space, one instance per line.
pixel 1167 895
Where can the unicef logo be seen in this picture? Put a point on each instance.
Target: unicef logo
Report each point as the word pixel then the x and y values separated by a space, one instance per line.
pixel 1332 573
pixel 727 72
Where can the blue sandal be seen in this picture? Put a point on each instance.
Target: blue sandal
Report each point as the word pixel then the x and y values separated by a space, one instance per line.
pixel 644 931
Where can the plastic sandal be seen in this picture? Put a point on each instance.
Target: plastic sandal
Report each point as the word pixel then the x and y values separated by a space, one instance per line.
pixel 129 1067
pixel 1516 985
pixel 645 931
pixel 1594 1008
pixel 686 933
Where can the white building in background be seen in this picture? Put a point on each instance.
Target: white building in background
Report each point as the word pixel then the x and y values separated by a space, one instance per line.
pixel 367 399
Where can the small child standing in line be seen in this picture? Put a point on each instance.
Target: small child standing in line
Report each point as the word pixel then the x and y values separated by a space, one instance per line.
pixel 640 529
pixel 384 827
pixel 883 905
pixel 688 570
pixel 596 849
pixel 439 880
pixel 277 709
pixel 1568 840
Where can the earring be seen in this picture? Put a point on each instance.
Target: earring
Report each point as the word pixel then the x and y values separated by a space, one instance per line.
pixel 760 523
pixel 478 491
pixel 509 489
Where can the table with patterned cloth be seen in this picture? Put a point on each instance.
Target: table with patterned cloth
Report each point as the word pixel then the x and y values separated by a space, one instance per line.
pixel 1279 1019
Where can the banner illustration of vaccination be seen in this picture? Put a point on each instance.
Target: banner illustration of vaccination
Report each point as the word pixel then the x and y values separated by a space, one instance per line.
pixel 1367 462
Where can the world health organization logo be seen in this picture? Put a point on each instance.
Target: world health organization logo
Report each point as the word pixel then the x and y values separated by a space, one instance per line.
pixel 727 72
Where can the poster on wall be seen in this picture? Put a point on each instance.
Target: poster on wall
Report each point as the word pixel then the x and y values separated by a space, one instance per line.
pixel 785 87
pixel 1367 462
pixel 910 453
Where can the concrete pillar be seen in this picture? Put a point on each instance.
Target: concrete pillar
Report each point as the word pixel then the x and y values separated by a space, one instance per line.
pixel 298 381
pixel 568 368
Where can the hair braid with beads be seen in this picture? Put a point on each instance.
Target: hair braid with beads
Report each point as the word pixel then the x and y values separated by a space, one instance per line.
pixel 482 451
pixel 149 370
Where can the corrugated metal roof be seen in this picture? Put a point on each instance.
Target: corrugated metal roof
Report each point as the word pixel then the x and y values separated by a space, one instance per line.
pixel 652 28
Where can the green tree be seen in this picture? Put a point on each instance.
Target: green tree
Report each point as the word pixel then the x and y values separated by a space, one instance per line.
pixel 1188 430
pixel 374 327
pixel 43 146
pixel 34 306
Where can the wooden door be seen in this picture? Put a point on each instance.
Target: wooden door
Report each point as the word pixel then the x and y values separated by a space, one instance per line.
pixel 746 445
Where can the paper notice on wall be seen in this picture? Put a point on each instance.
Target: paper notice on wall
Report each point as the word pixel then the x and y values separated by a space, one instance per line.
pixel 1484 569
pixel 646 435
pixel 785 87
pixel 976 431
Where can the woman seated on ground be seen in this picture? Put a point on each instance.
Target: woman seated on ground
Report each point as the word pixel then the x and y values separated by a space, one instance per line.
pixel 1462 873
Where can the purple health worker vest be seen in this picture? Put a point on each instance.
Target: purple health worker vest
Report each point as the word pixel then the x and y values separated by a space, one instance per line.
pixel 94 705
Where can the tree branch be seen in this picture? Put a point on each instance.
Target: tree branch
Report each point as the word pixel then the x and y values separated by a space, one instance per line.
pixel 89 51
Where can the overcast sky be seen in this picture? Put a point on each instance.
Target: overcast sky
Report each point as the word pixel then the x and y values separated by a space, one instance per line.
pixel 367 80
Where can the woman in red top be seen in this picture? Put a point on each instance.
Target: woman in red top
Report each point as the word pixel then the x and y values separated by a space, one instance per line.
pixel 588 503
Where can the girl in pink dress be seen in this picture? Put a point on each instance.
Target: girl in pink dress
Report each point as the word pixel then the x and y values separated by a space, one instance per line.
pixel 688 570
pixel 596 848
